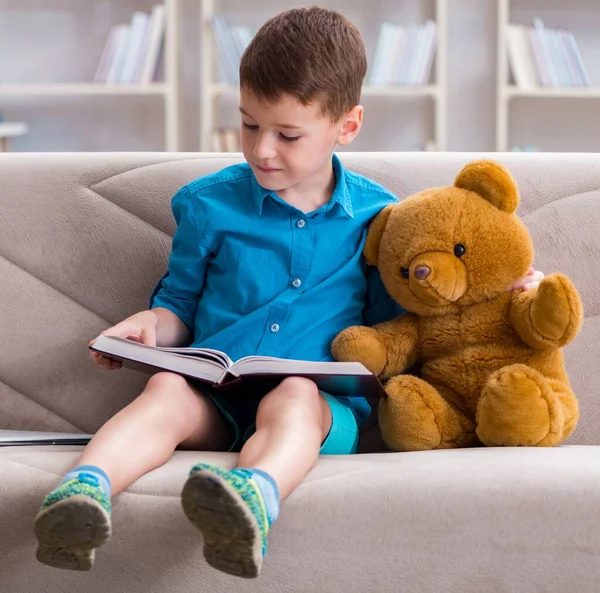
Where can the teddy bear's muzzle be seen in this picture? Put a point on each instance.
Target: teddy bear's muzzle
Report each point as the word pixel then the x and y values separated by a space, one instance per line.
pixel 438 278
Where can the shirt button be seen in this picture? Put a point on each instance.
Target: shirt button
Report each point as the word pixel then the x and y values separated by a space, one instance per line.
pixel 300 223
pixel 296 282
pixel 274 327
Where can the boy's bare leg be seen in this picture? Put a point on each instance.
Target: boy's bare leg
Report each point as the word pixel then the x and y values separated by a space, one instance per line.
pixel 75 518
pixel 292 422
pixel 142 436
pixel 235 509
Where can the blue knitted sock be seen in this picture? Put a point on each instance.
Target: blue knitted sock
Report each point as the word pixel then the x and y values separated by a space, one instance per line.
pixel 87 480
pixel 269 490
pixel 90 470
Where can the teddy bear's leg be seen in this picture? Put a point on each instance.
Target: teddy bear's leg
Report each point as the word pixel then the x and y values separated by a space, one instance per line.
pixel 415 417
pixel 521 407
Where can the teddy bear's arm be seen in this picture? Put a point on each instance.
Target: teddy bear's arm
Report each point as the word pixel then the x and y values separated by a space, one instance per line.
pixel 549 317
pixel 386 349
pixel 401 339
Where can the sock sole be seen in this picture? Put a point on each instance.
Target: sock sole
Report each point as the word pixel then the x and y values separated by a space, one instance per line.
pixel 69 530
pixel 232 540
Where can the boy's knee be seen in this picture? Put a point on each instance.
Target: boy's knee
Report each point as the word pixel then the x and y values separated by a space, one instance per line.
pixel 166 382
pixel 294 391
pixel 300 386
pixel 169 394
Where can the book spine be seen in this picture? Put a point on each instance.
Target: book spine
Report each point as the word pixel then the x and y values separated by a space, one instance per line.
pixel 580 65
pixel 540 60
pixel 155 40
pixel 574 74
pixel 226 46
pixel 384 42
pixel 139 23
pixel 122 38
pixel 106 58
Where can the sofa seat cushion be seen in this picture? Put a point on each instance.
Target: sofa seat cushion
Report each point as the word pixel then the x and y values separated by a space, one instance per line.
pixel 471 520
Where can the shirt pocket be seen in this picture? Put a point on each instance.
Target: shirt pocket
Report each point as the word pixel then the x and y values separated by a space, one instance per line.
pixel 245 277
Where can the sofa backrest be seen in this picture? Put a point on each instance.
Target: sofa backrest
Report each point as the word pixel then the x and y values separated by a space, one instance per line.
pixel 84 238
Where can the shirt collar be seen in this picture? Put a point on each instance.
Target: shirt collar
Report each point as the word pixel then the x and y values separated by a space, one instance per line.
pixel 341 195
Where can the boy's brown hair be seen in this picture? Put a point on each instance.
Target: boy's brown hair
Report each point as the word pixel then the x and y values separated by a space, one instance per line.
pixel 312 54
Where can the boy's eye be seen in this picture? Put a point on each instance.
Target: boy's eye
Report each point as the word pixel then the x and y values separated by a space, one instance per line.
pixel 289 138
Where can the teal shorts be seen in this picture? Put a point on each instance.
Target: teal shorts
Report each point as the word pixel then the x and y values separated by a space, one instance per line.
pixel 241 415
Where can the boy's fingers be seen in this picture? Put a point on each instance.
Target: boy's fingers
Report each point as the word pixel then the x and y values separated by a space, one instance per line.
pixel 536 277
pixel 102 360
pixel 149 336
pixel 121 331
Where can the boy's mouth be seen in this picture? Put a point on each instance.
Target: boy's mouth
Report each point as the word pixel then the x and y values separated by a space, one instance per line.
pixel 266 169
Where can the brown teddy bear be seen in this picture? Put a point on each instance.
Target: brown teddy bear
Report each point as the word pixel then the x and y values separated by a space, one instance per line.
pixel 487 362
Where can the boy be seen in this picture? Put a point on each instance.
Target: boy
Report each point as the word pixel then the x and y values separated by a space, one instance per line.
pixel 266 260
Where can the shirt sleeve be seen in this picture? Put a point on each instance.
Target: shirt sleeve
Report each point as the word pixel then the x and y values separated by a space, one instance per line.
pixel 180 288
pixel 379 305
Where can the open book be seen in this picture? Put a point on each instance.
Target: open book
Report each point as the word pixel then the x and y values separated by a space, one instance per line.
pixel 261 372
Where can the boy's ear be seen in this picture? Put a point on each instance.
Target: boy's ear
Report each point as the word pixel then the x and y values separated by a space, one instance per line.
pixel 352 122
pixel 371 250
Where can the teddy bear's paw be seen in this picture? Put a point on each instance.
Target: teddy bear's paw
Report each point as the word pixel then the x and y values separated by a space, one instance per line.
pixel 519 407
pixel 360 344
pixel 556 310
pixel 415 417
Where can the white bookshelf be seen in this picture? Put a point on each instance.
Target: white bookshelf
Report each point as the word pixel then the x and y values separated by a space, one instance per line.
pixel 545 113
pixel 80 89
pixel 213 93
pixel 553 93
pixel 167 91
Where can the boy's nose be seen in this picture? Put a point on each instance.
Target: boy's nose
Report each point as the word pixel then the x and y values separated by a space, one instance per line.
pixel 264 148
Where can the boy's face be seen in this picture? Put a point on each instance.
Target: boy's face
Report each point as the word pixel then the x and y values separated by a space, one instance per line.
pixel 287 144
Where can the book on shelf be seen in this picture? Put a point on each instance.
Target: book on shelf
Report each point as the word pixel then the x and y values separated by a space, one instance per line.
pixel 216 369
pixel 132 50
pixel 231 42
pixel 541 56
pixel 404 54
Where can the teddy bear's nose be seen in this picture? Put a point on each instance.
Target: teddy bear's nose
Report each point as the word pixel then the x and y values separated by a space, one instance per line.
pixel 421 272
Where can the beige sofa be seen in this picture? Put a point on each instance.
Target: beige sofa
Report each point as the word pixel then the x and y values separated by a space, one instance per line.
pixel 84 237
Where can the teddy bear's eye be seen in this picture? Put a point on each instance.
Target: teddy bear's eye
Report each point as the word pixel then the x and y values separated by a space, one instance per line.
pixel 459 250
pixel 405 273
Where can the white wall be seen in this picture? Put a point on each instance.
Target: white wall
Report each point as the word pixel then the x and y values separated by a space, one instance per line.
pixel 471 74
pixel 61 40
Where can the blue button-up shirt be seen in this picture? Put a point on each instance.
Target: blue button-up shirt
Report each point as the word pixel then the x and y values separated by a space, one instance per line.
pixel 250 274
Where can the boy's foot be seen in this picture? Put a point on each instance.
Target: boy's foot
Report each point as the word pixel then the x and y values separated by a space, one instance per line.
pixel 74 519
pixel 229 509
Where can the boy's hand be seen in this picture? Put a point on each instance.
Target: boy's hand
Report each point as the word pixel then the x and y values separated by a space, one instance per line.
pixel 531 280
pixel 140 327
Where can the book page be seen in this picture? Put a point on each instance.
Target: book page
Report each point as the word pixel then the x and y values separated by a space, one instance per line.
pixel 272 365
pixel 151 358
pixel 216 356
pixel 206 353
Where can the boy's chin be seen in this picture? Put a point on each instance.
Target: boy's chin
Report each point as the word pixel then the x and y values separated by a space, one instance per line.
pixel 275 187
pixel 269 181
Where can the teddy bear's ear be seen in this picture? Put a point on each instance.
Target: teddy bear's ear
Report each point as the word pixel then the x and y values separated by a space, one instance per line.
pixel 371 250
pixel 492 182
